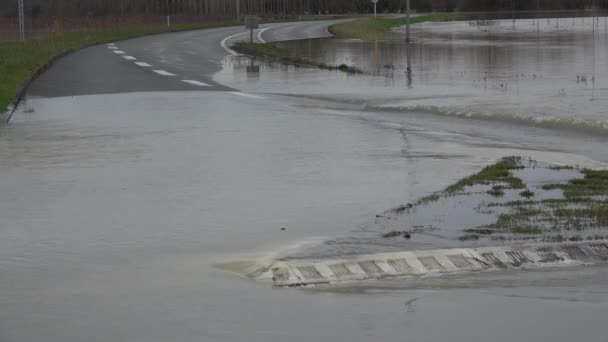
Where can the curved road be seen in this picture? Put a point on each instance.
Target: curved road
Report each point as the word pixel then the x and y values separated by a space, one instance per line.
pixel 168 62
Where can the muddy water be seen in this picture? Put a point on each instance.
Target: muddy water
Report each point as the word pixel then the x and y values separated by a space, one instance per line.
pixel 116 209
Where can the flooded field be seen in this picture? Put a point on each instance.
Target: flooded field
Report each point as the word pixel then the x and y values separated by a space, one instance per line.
pixel 547 72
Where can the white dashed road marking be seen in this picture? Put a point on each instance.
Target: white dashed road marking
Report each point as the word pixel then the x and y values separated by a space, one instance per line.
pixel 251 96
pixel 119 52
pixel 163 72
pixel 129 58
pixel 142 64
pixel 197 83
pixel 112 47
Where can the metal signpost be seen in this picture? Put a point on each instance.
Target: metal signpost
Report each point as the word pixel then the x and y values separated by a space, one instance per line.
pixel 375 2
pixel 21 21
pixel 252 23
pixel 407 21
pixel 238 11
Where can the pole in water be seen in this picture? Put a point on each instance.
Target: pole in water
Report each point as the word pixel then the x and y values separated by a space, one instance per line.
pixel 375 11
pixel 408 72
pixel 408 36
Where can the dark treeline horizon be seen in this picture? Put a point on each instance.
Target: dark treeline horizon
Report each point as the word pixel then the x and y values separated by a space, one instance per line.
pixel 228 8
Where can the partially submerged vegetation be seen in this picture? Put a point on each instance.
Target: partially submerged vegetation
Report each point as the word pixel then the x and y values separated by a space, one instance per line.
pixel 270 52
pixel 18 61
pixel 573 209
pixel 381 27
pixel 594 183
pixel 497 173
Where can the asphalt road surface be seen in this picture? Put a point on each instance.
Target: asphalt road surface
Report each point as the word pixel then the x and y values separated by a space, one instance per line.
pixel 169 62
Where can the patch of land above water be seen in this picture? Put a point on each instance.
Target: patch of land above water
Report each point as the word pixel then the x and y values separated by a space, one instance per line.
pixel 273 53
pixel 526 201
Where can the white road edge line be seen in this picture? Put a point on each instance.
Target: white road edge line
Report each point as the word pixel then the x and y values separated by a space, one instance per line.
pixel 261 31
pixel 163 72
pixel 197 83
pixel 119 52
pixel 229 50
pixel 143 64
pixel 129 58
pixel 251 96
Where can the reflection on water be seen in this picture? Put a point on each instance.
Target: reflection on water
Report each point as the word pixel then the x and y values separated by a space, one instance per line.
pixel 552 72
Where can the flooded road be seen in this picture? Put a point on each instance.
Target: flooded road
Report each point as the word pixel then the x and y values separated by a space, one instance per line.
pixel 116 209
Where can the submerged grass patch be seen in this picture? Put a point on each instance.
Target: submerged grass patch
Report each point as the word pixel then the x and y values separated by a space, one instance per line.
pixel 379 28
pixel 594 183
pixel 535 213
pixel 526 193
pixel 19 60
pixel 499 172
pixel 269 51
pixel 526 230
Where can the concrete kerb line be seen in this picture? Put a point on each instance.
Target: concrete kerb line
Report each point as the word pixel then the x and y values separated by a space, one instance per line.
pixel 422 263
pixel 224 42
pixel 224 45
pixel 261 31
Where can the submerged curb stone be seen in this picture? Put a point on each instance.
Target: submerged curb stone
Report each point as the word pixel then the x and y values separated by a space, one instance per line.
pixel 290 273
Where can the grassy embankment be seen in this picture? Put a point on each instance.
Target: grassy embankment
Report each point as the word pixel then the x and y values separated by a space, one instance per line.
pixel 271 52
pixel 379 28
pixel 20 60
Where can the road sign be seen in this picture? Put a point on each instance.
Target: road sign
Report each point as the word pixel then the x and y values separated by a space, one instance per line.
pixel 252 22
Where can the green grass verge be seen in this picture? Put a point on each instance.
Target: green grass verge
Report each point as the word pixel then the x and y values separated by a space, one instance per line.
pixel 20 60
pixel 380 28
pixel 269 51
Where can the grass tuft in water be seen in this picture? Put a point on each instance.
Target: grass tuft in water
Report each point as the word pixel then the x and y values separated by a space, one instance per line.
pixel 594 183
pixel 469 237
pixel 526 193
pixel 497 191
pixel 526 230
pixel 428 199
pixel 269 51
pixel 499 172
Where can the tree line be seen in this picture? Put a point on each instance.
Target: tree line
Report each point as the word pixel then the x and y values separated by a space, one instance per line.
pixel 230 8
